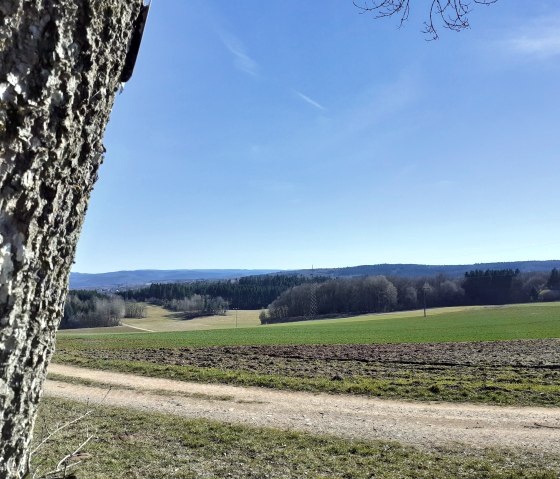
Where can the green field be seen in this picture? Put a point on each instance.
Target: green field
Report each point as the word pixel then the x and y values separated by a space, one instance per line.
pixel 531 321
pixel 160 320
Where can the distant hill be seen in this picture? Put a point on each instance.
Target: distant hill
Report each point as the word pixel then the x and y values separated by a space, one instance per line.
pixel 419 270
pixel 121 279
pixel 143 277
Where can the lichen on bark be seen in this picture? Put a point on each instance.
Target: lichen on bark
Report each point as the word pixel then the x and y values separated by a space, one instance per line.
pixel 60 64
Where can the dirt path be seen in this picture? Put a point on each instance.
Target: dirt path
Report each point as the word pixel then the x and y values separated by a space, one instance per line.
pixel 417 423
pixel 138 327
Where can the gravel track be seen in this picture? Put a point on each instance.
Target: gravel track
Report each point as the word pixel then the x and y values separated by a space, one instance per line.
pixel 421 424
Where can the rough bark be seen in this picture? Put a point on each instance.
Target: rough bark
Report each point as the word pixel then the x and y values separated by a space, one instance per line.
pixel 60 64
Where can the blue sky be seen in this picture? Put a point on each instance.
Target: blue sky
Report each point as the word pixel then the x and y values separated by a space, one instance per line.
pixel 303 133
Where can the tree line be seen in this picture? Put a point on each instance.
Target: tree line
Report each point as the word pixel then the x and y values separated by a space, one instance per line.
pixel 298 296
pixel 308 295
pixel 197 305
pixel 91 309
pixel 336 296
pixel 375 294
pixel 251 292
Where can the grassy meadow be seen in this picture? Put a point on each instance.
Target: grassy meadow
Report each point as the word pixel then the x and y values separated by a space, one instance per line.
pixel 527 321
pixel 160 319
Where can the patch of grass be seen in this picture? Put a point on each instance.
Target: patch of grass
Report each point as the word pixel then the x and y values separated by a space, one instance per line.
pixel 535 321
pixel 123 329
pixel 131 444
pixel 86 382
pixel 159 392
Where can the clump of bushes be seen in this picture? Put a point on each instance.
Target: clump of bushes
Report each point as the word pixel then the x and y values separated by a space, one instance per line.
pixel 134 309
pixel 90 309
pixel 198 305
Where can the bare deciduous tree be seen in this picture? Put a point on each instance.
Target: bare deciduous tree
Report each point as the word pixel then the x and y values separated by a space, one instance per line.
pixel 134 309
pixel 452 14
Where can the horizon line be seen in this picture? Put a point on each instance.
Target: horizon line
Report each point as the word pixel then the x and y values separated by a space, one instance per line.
pixel 320 268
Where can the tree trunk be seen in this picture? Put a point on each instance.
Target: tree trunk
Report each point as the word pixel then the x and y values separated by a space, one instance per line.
pixel 60 65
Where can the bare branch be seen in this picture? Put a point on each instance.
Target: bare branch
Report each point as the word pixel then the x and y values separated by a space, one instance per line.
pixel 63 464
pixel 58 429
pixel 452 14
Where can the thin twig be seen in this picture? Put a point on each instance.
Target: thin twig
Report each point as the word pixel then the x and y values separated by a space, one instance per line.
pixel 58 471
pixel 71 455
pixel 60 428
pixel 65 459
pixel 452 14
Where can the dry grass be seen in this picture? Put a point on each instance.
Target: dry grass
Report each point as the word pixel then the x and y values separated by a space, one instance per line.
pixel 161 320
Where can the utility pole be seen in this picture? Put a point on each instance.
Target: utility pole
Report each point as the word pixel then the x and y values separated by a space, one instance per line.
pixel 312 296
pixel 424 289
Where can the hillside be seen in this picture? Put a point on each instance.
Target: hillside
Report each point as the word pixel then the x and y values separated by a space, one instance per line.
pixel 144 277
pixel 119 279
pixel 419 270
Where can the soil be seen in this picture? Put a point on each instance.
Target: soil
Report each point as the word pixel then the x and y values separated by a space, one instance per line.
pixel 421 424
pixel 535 361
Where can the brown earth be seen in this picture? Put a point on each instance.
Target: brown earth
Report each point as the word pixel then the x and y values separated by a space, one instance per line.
pixel 523 361
pixel 538 354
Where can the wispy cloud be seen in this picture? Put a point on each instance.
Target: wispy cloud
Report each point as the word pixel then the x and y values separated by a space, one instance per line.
pixel 542 46
pixel 541 39
pixel 309 100
pixel 241 58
